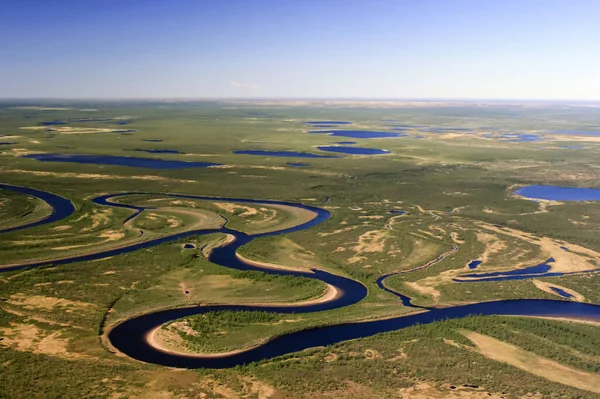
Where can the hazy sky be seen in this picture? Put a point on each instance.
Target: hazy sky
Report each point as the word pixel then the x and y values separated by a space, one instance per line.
pixel 534 49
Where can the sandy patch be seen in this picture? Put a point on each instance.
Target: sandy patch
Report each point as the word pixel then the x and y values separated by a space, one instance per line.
pixel 454 236
pixel 532 363
pixel 547 287
pixel 493 245
pixel 424 288
pixel 94 176
pixel 425 390
pixel 61 228
pixel 231 208
pixel 349 228
pixel 30 338
pixel 38 302
pixel 576 259
pixel 371 241
pixel 72 130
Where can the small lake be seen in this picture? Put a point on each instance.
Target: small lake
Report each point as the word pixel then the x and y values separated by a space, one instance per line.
pixel 51 123
pixel 149 163
pixel 359 134
pixel 153 140
pixel 557 193
pixel 353 150
pixel 7 142
pixel 293 154
pixel 345 142
pixel 561 292
pixel 474 263
pixel 397 212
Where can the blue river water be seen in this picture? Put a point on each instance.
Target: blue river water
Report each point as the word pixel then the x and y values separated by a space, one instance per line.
pixel 130 336
pixel 61 207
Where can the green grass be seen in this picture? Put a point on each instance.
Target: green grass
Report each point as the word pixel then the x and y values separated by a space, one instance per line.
pixel 437 174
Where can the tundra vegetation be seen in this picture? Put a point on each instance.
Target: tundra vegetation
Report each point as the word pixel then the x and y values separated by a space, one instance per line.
pixel 454 187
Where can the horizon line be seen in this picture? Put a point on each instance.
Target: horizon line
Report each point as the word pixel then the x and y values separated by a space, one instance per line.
pixel 380 99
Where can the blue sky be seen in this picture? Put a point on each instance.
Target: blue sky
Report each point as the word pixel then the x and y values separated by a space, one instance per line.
pixel 497 49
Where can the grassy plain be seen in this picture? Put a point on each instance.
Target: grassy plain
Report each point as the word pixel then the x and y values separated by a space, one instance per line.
pixel 455 186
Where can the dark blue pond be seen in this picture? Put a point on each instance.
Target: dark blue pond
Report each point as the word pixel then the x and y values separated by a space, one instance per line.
pixel 189 246
pixel 397 212
pixel 474 263
pixel 556 193
pixel 7 142
pixel 353 150
pixel 153 140
pixel 359 134
pixel 328 123
pixel 149 163
pixel 561 292
pixel 298 164
pixel 293 154
pixel 51 123
pixel 564 248
pixel 160 151
pixel 345 142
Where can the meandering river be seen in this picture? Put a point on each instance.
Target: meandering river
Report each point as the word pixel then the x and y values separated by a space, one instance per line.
pixel 131 336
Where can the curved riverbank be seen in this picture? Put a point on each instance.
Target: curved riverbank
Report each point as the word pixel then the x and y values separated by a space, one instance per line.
pixel 134 337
